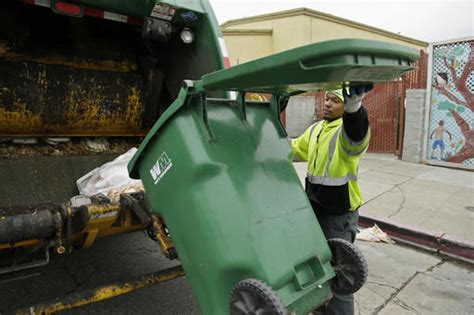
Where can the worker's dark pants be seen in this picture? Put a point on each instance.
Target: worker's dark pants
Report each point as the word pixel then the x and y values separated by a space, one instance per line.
pixel 340 226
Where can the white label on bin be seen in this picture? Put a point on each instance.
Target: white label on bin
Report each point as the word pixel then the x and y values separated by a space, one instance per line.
pixel 162 165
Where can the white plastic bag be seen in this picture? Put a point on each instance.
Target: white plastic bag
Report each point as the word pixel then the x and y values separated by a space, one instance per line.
pixel 111 175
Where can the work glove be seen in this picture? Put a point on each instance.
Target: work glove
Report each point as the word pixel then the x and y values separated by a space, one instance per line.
pixel 353 100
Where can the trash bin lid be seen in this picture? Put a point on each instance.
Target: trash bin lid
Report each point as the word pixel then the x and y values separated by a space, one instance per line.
pixel 309 68
pixel 317 66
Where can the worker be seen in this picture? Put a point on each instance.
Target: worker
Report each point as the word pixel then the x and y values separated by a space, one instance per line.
pixel 332 147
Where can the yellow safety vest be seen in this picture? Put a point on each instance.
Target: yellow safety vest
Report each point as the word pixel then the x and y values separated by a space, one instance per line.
pixel 333 158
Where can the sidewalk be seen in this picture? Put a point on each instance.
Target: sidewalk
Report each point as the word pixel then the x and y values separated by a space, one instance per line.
pixel 425 205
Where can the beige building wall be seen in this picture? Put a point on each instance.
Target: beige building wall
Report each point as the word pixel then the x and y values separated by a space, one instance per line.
pixel 246 46
pixel 291 32
pixel 261 24
pixel 251 38
pixel 326 30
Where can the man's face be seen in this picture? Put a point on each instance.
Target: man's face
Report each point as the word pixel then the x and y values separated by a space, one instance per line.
pixel 333 107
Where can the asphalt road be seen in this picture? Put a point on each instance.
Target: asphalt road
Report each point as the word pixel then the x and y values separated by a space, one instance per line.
pixel 401 281
pixel 108 260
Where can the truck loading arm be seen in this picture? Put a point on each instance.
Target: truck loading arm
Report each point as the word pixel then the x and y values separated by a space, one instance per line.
pixel 63 227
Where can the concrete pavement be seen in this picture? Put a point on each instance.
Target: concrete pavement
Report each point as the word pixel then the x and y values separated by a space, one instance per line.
pixel 431 206
pixel 432 198
pixel 404 280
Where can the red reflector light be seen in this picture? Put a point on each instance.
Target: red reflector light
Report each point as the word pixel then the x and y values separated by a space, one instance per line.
pixel 227 62
pixel 67 8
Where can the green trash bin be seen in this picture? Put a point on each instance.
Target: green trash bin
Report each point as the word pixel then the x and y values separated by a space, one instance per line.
pixel 219 172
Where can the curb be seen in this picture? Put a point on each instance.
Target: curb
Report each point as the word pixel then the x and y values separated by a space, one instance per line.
pixel 439 242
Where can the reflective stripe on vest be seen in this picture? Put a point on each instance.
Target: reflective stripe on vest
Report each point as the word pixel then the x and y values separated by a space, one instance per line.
pixel 332 149
pixel 326 179
pixel 354 144
pixel 330 181
pixel 312 130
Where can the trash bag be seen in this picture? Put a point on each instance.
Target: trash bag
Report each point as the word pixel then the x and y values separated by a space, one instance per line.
pixel 111 175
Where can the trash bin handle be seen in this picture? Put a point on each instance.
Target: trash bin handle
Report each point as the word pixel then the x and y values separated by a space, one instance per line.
pixel 242 104
pixel 195 89
pixel 275 106
pixel 309 68
pixel 205 117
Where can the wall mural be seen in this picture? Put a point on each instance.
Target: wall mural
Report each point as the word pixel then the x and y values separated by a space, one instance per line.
pixel 451 125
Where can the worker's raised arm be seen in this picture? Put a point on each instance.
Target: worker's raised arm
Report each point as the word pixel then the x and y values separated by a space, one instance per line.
pixel 355 134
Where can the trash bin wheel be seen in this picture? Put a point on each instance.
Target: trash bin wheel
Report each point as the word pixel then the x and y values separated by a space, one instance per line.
pixel 252 296
pixel 349 265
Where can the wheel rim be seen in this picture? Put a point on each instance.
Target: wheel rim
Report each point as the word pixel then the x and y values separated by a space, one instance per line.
pixel 254 297
pixel 247 302
pixel 349 265
pixel 345 271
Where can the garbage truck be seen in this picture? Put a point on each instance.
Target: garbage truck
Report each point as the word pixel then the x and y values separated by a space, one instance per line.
pixel 80 83
pixel 84 81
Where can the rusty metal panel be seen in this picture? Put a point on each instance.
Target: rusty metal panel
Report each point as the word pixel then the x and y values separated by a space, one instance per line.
pixel 54 95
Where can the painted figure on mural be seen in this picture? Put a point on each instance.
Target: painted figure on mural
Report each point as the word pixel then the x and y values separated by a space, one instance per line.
pixel 438 132
pixel 453 103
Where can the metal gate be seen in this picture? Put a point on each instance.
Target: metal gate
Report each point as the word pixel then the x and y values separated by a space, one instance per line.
pixel 383 105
